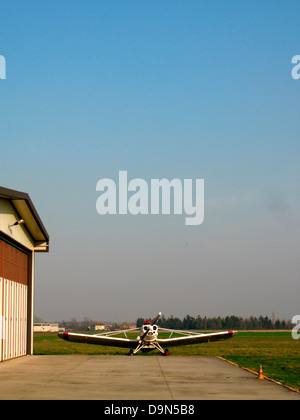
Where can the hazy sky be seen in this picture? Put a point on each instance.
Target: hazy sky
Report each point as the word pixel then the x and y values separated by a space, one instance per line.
pixel 161 89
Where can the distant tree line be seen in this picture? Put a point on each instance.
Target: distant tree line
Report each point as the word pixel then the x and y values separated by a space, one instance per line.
pixel 190 323
pixel 217 323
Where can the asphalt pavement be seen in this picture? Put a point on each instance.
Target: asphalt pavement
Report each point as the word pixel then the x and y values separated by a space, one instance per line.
pixel 132 378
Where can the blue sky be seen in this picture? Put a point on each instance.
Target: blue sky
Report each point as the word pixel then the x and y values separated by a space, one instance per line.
pixel 186 89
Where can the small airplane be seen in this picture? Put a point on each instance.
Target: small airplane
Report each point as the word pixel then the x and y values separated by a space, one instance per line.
pixel 147 340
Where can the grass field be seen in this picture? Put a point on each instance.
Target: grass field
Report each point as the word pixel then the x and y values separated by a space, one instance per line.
pixel 276 352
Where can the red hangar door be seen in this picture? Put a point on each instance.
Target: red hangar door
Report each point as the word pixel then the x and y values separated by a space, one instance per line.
pixel 14 275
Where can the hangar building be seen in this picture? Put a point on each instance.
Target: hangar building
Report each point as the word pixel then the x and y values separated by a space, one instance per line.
pixel 22 235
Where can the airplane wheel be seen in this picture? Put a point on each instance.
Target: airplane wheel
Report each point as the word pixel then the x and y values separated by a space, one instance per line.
pixel 131 352
pixel 166 353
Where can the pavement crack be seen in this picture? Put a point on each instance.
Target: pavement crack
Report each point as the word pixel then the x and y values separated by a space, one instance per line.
pixel 164 376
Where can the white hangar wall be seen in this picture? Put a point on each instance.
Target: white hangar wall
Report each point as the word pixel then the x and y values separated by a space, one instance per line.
pixel 18 244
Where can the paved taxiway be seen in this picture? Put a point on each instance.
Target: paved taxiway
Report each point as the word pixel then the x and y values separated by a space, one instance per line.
pixel 132 378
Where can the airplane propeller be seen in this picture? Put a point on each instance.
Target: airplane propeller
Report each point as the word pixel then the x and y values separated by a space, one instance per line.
pixel 156 318
pixel 143 336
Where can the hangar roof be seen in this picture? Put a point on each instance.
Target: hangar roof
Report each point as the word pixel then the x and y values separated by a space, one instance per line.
pixel 26 210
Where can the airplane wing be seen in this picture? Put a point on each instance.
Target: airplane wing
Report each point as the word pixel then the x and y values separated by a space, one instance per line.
pixel 196 338
pixel 101 340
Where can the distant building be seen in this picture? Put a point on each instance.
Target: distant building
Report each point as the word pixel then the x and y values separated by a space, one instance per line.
pixel 46 327
pixel 127 325
pixel 97 327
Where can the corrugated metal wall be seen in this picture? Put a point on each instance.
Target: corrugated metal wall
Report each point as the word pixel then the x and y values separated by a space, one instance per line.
pixel 13 301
